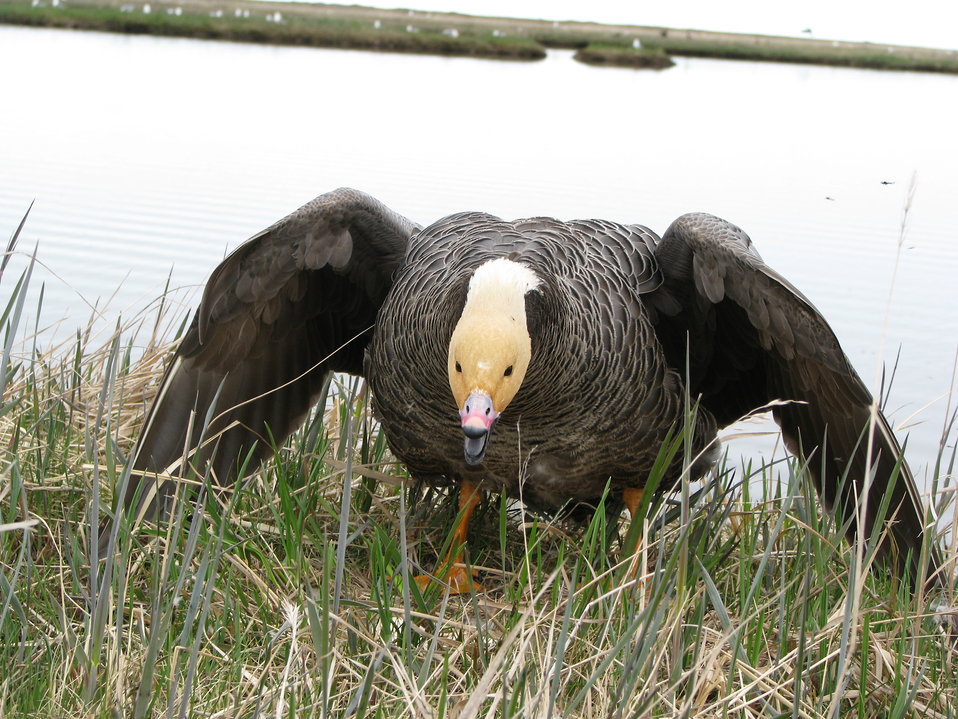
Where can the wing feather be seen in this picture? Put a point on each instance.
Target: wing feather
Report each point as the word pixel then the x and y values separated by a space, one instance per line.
pixel 290 305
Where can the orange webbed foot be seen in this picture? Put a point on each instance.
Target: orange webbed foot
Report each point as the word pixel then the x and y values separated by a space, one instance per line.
pixel 458 579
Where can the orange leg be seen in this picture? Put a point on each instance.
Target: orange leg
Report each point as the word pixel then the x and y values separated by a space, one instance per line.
pixel 452 570
pixel 633 498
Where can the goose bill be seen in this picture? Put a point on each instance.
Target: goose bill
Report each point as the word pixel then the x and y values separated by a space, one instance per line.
pixel 475 449
pixel 478 418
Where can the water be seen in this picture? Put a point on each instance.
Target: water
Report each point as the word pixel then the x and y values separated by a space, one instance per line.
pixel 151 157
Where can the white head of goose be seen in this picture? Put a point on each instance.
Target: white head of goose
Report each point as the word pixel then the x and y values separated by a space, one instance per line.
pixel 490 349
pixel 575 343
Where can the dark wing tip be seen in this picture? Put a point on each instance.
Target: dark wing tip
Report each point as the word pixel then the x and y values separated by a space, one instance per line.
pixel 763 340
pixel 277 315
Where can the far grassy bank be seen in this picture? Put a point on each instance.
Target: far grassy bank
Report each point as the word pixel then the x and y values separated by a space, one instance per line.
pixel 451 34
pixel 862 55
pixel 316 32
pixel 656 59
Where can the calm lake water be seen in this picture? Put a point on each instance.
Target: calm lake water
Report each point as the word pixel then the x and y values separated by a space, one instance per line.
pixel 151 157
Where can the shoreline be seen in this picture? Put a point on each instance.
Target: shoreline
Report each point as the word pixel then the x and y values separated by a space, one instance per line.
pixel 452 34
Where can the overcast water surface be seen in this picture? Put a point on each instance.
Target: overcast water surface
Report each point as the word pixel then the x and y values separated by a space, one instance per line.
pixel 152 157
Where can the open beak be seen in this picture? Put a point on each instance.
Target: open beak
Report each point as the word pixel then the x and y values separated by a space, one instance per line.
pixel 478 418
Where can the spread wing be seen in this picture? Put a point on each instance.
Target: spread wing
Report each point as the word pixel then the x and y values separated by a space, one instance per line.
pixel 290 305
pixel 755 338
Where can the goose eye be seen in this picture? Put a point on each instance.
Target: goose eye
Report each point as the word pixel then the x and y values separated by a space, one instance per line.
pixel 508 371
pixel 458 367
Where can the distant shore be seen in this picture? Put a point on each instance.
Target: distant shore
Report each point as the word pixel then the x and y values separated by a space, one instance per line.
pixel 453 34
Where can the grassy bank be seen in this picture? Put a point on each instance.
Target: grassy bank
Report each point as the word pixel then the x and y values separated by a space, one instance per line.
pixel 290 597
pixel 862 55
pixel 597 54
pixel 335 32
pixel 452 34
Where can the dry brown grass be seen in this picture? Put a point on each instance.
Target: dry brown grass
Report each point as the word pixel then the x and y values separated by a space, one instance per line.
pixel 281 599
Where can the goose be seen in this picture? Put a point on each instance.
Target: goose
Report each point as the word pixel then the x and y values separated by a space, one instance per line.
pixel 543 359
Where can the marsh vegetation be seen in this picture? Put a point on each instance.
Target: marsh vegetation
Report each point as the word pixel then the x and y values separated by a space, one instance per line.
pixel 451 34
pixel 291 596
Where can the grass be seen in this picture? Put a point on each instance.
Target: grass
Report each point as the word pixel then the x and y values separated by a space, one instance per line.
pixel 599 54
pixel 291 597
pixel 862 55
pixel 502 38
pixel 334 32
